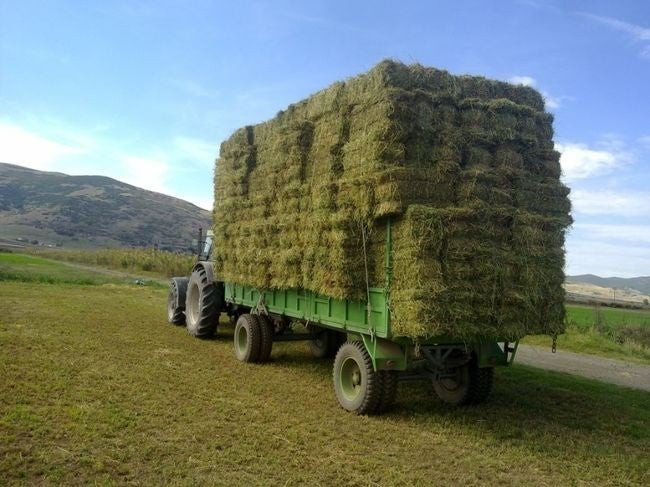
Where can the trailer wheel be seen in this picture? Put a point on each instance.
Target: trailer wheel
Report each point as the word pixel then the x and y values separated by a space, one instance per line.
pixel 202 305
pixel 327 343
pixel 388 386
pixel 266 337
pixel 247 338
pixel 469 385
pixel 176 300
pixel 356 383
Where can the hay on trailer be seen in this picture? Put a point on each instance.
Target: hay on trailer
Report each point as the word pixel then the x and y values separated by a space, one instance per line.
pixel 463 166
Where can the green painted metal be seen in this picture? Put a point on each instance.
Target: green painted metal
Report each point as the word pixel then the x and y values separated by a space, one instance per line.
pixel 340 314
pixel 490 354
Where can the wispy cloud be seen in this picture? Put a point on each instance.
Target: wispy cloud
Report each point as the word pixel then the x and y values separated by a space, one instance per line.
pixel 146 172
pixel 199 151
pixel 637 33
pixel 625 233
pixel 51 145
pixel 552 102
pixel 645 141
pixel 194 88
pixel 580 161
pixel 610 202
pixel 606 258
pixel 26 148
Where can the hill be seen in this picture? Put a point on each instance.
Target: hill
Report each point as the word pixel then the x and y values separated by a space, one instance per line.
pixel 56 209
pixel 641 284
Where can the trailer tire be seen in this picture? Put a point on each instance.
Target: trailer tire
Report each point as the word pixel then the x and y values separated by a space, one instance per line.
pixel 247 338
pixel 202 304
pixel 388 385
pixel 266 337
pixel 176 300
pixel 327 343
pixel 356 384
pixel 471 385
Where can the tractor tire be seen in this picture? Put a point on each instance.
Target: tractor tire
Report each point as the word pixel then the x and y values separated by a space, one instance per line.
pixel 176 300
pixel 388 385
pixel 470 385
pixel 327 343
pixel 356 384
pixel 247 338
pixel 266 337
pixel 202 304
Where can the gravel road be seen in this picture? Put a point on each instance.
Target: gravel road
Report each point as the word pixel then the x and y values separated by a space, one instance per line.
pixel 618 372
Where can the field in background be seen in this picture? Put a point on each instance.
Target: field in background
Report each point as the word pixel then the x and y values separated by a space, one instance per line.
pixel 160 262
pixel 32 268
pixel 611 332
pixel 96 387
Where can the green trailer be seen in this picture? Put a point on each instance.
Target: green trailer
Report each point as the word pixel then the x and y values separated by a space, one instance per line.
pixel 369 360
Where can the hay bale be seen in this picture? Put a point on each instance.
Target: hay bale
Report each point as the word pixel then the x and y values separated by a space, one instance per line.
pixel 463 166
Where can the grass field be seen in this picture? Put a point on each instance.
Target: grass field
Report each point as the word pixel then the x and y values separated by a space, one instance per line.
pixel 139 260
pixel 30 268
pixel 96 387
pixel 586 316
pixel 611 332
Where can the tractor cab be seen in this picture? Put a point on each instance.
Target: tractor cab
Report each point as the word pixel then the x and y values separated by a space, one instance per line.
pixel 203 245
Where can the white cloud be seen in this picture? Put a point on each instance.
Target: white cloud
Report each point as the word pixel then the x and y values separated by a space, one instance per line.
pixel 145 172
pixel 552 102
pixel 589 256
pixel 608 202
pixel 580 161
pixel 25 148
pixel 194 88
pixel 645 141
pixel 625 233
pixel 636 32
pixel 523 80
pixel 197 150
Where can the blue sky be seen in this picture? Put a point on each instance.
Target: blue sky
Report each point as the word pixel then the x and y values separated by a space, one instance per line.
pixel 145 91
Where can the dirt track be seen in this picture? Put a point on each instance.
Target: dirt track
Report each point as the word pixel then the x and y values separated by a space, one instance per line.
pixel 618 372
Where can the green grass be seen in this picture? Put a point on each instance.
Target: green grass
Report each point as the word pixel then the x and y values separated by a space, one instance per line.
pixel 96 387
pixel 138 260
pixel 30 268
pixel 586 316
pixel 610 332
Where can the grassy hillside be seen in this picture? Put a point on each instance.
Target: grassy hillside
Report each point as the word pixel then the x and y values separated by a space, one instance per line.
pixel 96 387
pixel 91 211
pixel 641 284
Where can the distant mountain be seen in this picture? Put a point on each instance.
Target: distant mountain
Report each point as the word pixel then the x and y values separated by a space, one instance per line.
pixel 641 284
pixel 91 211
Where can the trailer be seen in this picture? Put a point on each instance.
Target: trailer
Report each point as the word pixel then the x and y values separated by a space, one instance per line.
pixel 369 360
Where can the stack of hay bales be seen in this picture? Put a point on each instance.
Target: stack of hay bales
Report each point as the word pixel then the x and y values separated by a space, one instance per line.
pixel 465 169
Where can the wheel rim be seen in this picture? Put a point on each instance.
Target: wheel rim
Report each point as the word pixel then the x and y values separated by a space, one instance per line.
pixel 452 384
pixel 241 340
pixel 350 379
pixel 193 303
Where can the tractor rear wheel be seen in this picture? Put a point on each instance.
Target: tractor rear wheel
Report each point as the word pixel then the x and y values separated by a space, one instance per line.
pixel 465 385
pixel 176 300
pixel 202 304
pixel 356 383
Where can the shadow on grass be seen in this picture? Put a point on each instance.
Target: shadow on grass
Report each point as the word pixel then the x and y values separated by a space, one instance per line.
pixel 525 402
